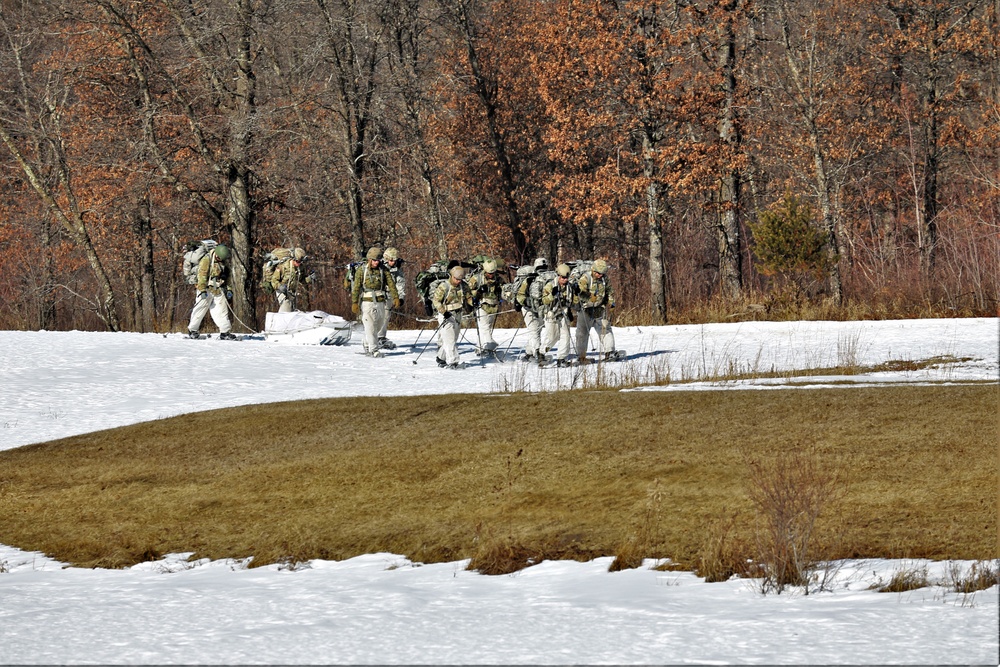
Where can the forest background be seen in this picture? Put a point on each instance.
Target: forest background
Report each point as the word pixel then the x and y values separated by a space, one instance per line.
pixel 730 158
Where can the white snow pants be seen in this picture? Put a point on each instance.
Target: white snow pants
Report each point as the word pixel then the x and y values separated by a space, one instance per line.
pixel 484 324
pixel 597 318
pixel 219 308
pixel 373 316
pixel 557 330
pixel 533 325
pixel 448 333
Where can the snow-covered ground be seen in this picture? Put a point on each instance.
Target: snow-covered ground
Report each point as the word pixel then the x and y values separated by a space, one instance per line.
pixel 381 608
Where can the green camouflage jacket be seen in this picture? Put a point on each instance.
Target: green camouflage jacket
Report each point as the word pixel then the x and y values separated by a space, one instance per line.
pixel 373 284
pixel 486 291
pixel 558 299
pixel 595 292
pixel 213 274
pixel 448 297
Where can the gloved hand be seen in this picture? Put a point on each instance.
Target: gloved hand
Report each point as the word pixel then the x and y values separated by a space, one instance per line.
pixel 229 294
pixel 283 289
pixel 201 295
pixel 355 308
pixel 447 314
pixel 517 307
pixel 395 304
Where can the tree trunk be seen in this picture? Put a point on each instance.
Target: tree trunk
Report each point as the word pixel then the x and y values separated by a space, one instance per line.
pixel 147 284
pixel 929 233
pixel 239 219
pixel 240 214
pixel 728 232
pixel 657 280
pixel 47 307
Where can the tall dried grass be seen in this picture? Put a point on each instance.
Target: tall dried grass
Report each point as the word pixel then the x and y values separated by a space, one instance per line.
pixel 428 477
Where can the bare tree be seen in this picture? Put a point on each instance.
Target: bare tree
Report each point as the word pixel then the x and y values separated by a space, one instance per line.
pixel 353 47
pixel 31 127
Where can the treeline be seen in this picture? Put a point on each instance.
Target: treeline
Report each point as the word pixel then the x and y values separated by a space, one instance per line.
pixel 727 152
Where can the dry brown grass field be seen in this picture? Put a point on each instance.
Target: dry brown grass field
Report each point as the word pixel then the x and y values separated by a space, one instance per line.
pixel 558 475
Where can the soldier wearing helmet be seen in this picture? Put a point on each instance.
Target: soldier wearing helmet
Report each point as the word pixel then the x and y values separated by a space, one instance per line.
pixel 451 299
pixel 531 311
pixel 287 278
pixel 373 289
pixel 596 298
pixel 486 285
pixel 213 293
pixel 394 264
pixel 560 299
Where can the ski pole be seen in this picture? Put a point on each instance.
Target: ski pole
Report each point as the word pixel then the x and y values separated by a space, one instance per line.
pixel 415 343
pixel 479 343
pixel 511 341
pixel 429 341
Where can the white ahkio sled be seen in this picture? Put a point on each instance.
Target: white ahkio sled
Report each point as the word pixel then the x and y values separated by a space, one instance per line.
pixel 312 328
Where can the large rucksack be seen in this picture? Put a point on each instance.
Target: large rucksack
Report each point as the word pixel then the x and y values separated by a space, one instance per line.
pixel 579 267
pixel 192 258
pixel 271 262
pixel 427 280
pixel 524 274
pixel 537 287
pixel 352 269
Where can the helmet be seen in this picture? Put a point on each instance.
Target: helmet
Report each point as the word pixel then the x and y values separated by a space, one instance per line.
pixel 599 266
pixel 563 270
pixel 374 253
pixel 222 252
pixel 489 266
pixel 390 253
pixel 299 254
pixel 541 263
pixel 457 272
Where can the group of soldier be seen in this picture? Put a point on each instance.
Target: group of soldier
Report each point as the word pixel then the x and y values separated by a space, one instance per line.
pixel 213 292
pixel 585 300
pixel 567 299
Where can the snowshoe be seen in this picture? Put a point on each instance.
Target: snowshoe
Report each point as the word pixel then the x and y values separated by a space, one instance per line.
pixel 386 344
pixel 616 355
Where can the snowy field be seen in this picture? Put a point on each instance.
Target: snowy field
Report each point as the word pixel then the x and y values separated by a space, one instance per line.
pixel 381 608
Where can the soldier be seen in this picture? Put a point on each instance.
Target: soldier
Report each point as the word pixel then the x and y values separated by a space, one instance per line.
pixel 212 292
pixel 373 287
pixel 486 286
pixel 595 299
pixel 286 280
pixel 394 264
pixel 559 299
pixel 451 298
pixel 531 311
